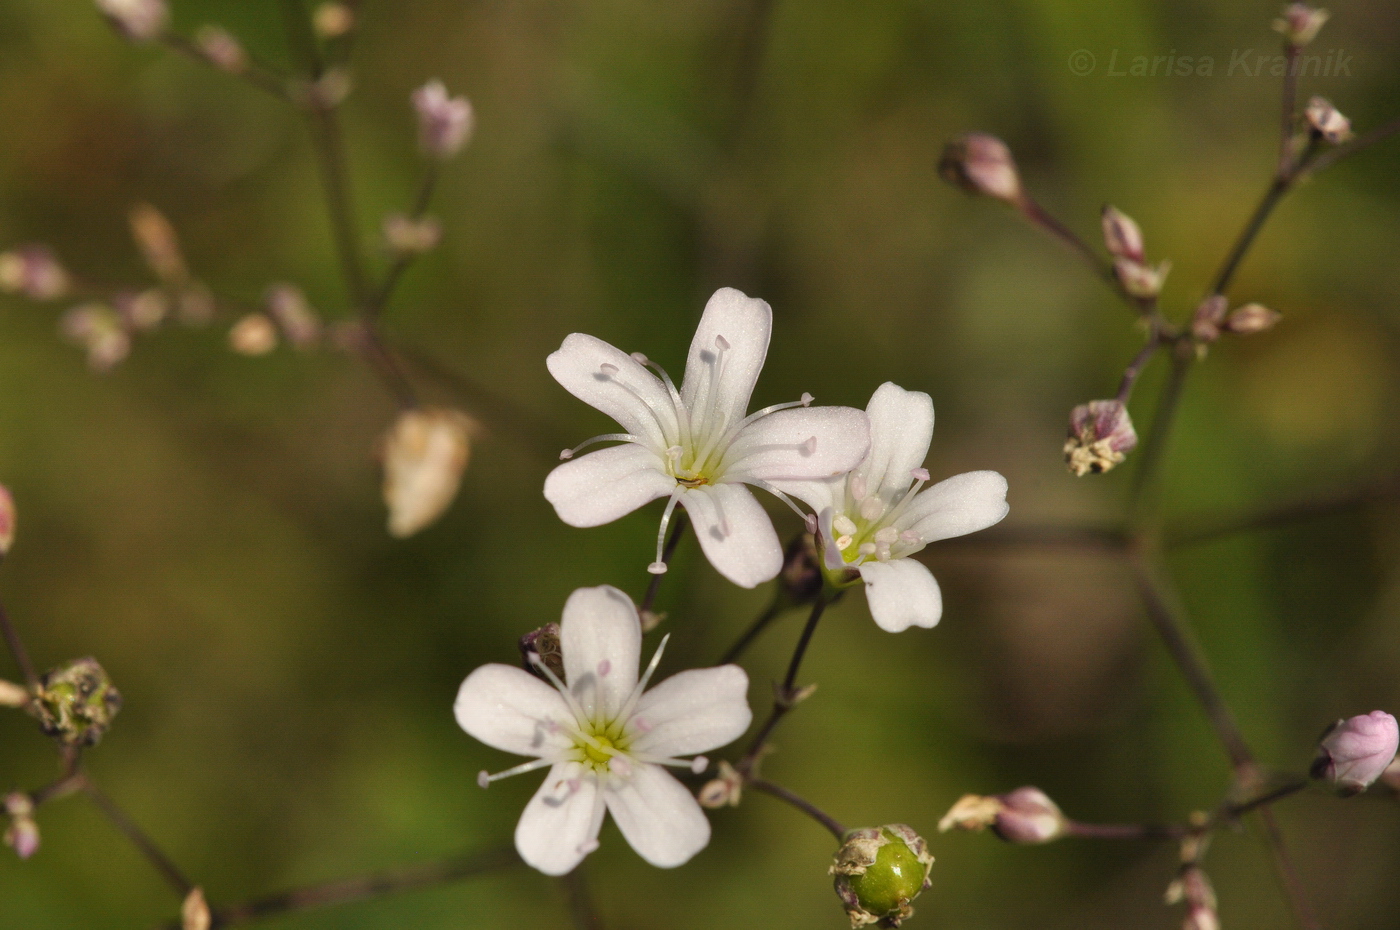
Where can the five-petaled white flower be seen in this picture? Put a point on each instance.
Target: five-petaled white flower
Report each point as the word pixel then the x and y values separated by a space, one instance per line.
pixel 695 446
pixel 605 737
pixel 879 515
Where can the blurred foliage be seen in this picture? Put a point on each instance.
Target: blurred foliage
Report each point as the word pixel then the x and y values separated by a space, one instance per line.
pixel 209 526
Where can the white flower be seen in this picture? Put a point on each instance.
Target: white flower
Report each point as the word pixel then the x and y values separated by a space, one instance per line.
pixel 695 446
pixel 605 738
pixel 878 515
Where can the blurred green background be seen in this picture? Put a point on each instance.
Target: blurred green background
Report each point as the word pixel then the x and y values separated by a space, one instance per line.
pixel 209 525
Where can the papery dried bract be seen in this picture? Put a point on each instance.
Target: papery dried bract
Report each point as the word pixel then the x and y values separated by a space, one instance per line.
pixel 425 453
pixel 1100 433
pixel 138 20
pixel 32 270
pixel 982 164
pixel 444 123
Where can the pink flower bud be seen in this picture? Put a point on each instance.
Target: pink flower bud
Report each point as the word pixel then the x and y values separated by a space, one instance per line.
pixel 1356 752
pixel 1326 121
pixel 159 244
pixel 287 305
pixel 1141 280
pixel 22 835
pixel 7 520
pixel 1252 318
pixel 982 164
pixel 1205 324
pixel 33 271
pixel 138 20
pixel 444 123
pixel 1100 433
pixel 1028 816
pixel 1300 23
pixel 1121 235
pixel 221 49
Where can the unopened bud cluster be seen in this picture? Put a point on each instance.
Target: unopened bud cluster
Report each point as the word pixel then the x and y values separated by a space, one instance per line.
pixel 1100 435
pixel 878 872
pixel 1354 753
pixel 1214 318
pixel 75 703
pixel 1025 816
pixel 1123 239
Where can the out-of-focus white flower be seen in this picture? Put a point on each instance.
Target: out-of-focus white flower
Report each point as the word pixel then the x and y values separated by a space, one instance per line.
pixel 254 334
pixel 604 737
pixel 425 453
pixel 444 123
pixel 138 20
pixel 880 514
pixel 98 329
pixel 695 446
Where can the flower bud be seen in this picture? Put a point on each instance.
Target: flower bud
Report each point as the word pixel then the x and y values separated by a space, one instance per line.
pixel 141 310
pixel 879 871
pixel 405 235
pixel 1100 433
pixel 22 835
pixel 287 305
pixel 75 703
pixel 138 20
pixel 1252 318
pixel 1193 887
pixel 12 695
pixel 801 576
pixel 326 92
pixel 221 49
pixel 7 520
pixel 1205 324
pixel 159 244
pixel 33 271
pixel 425 453
pixel 444 123
pixel 543 646
pixel 333 20
pixel 1121 235
pixel 1025 816
pixel 254 334
pixel 194 911
pixel 1141 280
pixel 1327 121
pixel 98 330
pixel 727 789
pixel 1300 23
pixel 982 164
pixel 1354 753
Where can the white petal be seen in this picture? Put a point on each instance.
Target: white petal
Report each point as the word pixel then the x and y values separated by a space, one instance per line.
pixel 734 532
pixel 658 816
pixel 901 593
pixel 819 495
pixel 695 711
pixel 601 637
pixel 561 822
pixel 901 426
pixel 778 448
pixel 633 396
pixel 745 323
pixel 830 554
pixel 604 485
pixel 510 709
pixel 957 506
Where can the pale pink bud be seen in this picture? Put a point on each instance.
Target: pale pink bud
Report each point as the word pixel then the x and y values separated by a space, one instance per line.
pixel 141 310
pixel 97 329
pixel 255 334
pixel 13 695
pixel 1100 433
pixel 1028 816
pixel 327 92
pixel 1356 752
pixel 1141 280
pixel 138 20
pixel 425 453
pixel 1206 322
pixel 159 244
pixel 1300 23
pixel 333 20
pixel 982 164
pixel 1200 917
pixel 1121 235
pixel 22 835
pixel 33 271
pixel 1327 121
pixel 7 520
pixel 287 305
pixel 406 235
pixel 1252 318
pixel 194 912
pixel 444 123
pixel 221 49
